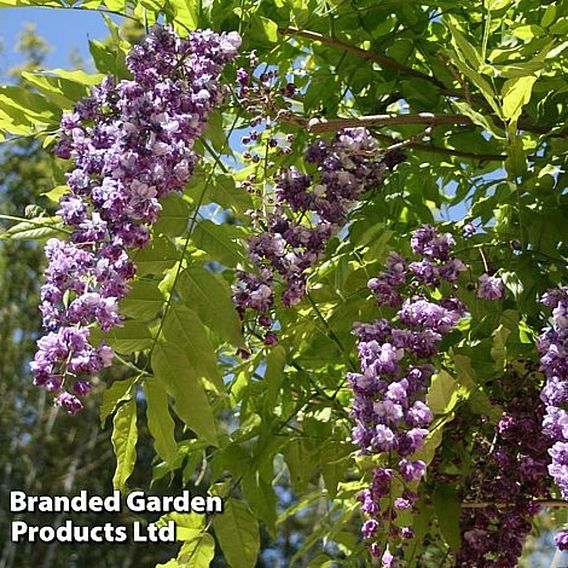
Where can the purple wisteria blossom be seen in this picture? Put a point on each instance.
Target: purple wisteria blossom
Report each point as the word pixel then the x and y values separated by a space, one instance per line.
pixel 490 288
pixel 510 470
pixel 553 349
pixel 308 211
pixel 389 408
pixel 130 143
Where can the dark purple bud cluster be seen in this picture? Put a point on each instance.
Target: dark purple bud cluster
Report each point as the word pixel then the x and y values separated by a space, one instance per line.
pixel 509 474
pixel 389 404
pixel 263 94
pixel 553 349
pixel 307 211
pixel 130 143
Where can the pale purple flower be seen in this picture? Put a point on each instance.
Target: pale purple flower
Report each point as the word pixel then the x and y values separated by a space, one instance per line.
pixel 490 287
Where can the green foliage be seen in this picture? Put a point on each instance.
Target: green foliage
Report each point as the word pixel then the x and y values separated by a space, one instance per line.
pixel 124 439
pixel 237 532
pixel 173 370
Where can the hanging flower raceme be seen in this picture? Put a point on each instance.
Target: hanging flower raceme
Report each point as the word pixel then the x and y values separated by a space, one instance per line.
pixel 307 211
pixel 508 477
pixel 553 349
pixel 130 143
pixel 389 405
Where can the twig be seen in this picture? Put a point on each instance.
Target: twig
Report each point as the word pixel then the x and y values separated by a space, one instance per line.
pixel 337 124
pixel 383 60
pixel 557 503
pixel 391 63
pixel 441 150
pixel 321 125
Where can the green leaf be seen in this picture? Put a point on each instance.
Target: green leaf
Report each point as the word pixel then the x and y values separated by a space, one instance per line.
pixel 274 375
pixel 447 508
pixel 185 13
pixel 261 497
pixel 118 392
pixel 59 91
pixel 222 242
pixel 13 3
pixel 215 132
pixel 34 229
pixel 444 393
pixel 174 216
pixel 116 5
pixel 109 59
pixel 421 527
pixel 23 112
pixel 300 464
pixel 160 422
pixel 132 336
pixel 188 525
pixel 482 120
pixel 144 300
pixel 196 552
pixel 222 190
pixel 499 347
pixel 172 368
pixel 56 193
pixel 210 296
pixel 516 93
pixel 478 399
pixel 238 534
pixel 516 162
pixel 156 257
pixel 527 32
pixel 124 439
pixel 469 53
pixel 549 16
pixel 77 76
pixel 264 32
pixel 184 329
pixel 496 5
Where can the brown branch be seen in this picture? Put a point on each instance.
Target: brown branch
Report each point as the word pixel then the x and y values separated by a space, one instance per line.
pixel 558 503
pixel 391 63
pixel 383 60
pixel 316 125
pixel 441 150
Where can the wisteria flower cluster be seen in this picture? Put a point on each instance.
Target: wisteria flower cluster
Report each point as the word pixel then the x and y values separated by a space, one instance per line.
pixel 553 349
pixel 308 211
pixel 389 405
pixel 508 476
pixel 131 144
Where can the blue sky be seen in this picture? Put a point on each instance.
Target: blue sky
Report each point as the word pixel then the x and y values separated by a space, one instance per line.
pixel 64 30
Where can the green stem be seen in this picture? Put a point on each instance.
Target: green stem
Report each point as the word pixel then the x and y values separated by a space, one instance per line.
pixel 192 224
pixel 331 334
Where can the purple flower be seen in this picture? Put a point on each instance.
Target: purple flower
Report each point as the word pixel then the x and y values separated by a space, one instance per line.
pixel 131 143
pixel 412 470
pixel 469 229
pixel 490 287
pixel 370 528
pixel 419 415
pixel 389 402
pixel 384 438
pixel 290 244
pixel 561 540
pixel 69 402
